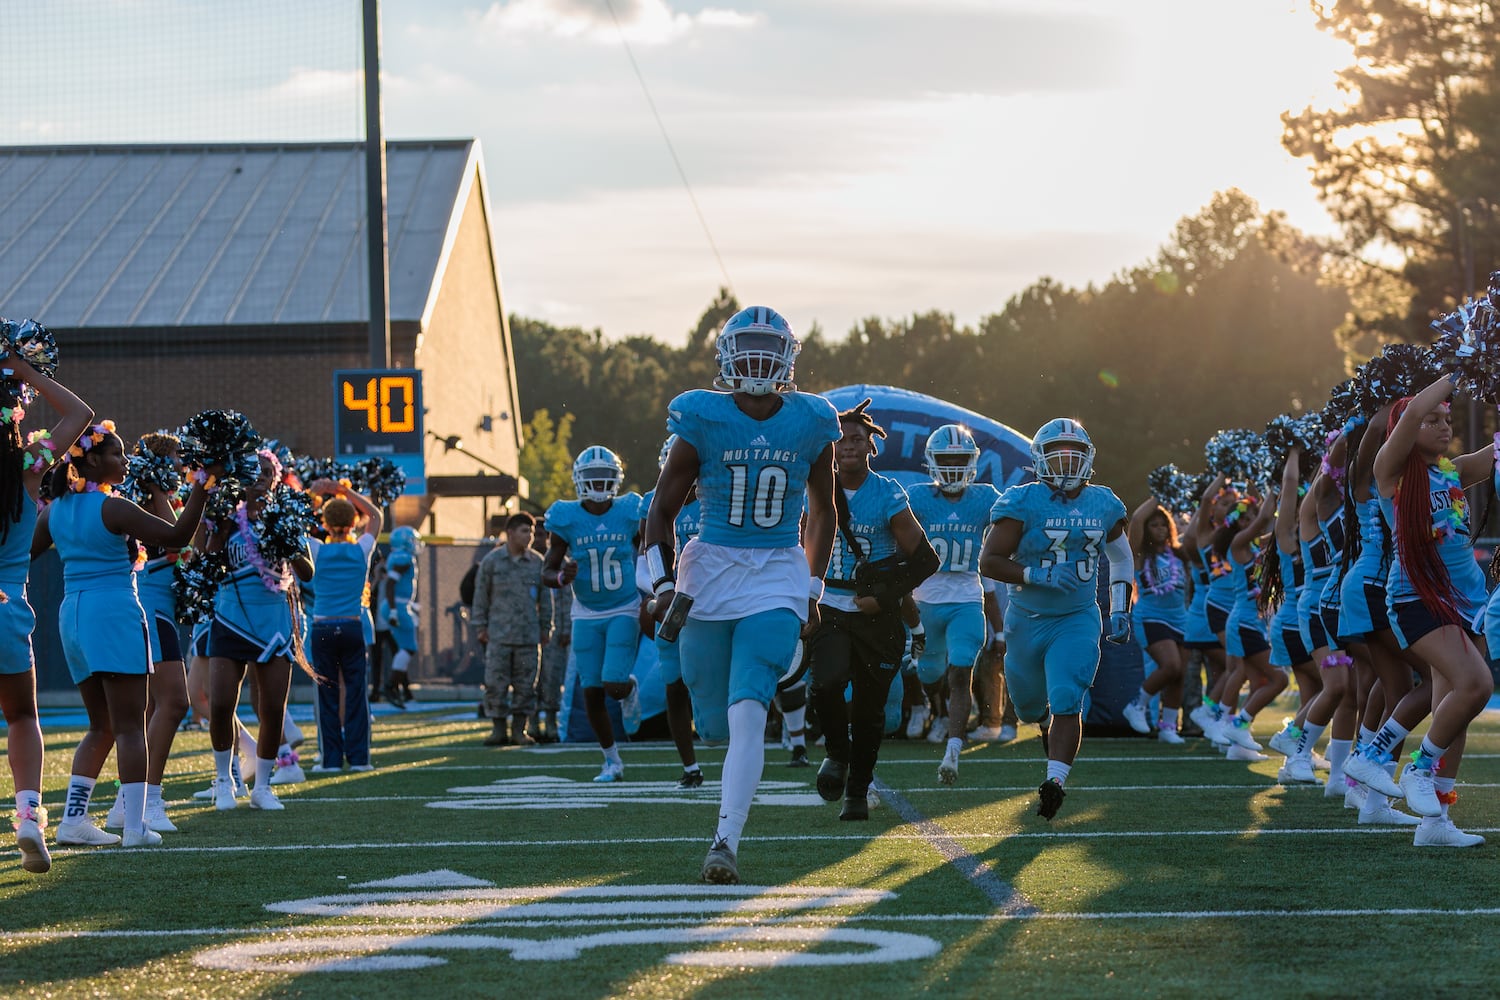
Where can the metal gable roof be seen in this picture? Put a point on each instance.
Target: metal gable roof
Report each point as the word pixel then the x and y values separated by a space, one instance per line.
pixel 209 235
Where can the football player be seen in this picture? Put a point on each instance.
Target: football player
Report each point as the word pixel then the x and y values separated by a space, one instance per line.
pixel 600 530
pixel 954 511
pixel 745 587
pixel 1045 542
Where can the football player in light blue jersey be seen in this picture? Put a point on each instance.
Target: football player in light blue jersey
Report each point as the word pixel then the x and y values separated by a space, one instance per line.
pixel 601 531
pixel 668 654
pixel 1045 543
pixel 396 608
pixel 879 557
pixel 753 576
pixel 954 512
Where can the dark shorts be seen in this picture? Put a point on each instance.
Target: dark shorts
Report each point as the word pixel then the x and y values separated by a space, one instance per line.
pixel 1218 617
pixel 1296 652
pixel 226 643
pixel 1411 620
pixel 167 641
pixel 1160 631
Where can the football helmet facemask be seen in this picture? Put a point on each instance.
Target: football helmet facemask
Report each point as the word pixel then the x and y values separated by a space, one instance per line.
pixel 757 353
pixel 597 473
pixel 952 458
pixel 1062 454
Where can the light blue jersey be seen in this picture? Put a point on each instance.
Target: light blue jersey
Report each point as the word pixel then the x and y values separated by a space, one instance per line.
pixel 871 507
pixel 604 546
pixel 956 526
pixel 1454 547
pixel 688 519
pixel 1056 530
pixel 752 473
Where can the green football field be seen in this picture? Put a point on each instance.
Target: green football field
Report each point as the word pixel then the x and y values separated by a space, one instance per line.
pixel 454 870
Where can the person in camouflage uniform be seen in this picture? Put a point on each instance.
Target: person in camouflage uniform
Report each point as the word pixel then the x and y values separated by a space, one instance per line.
pixel 545 726
pixel 511 616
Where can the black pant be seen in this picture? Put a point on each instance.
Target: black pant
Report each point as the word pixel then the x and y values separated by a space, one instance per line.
pixel 865 649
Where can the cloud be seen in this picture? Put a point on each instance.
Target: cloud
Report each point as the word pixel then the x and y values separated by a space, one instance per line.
pixel 304 84
pixel 642 22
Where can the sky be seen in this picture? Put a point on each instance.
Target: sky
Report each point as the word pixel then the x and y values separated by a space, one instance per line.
pixel 850 158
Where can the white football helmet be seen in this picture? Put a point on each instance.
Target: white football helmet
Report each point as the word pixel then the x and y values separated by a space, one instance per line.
pixel 1062 454
pixel 757 353
pixel 597 473
pixel 949 441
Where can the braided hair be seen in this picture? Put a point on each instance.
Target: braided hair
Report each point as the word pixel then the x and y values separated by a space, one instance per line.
pixel 860 418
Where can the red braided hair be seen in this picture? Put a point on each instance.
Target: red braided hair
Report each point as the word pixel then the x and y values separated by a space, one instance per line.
pixel 1415 544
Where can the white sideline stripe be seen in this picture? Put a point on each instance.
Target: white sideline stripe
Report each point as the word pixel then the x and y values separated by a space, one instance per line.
pixel 798 839
pixel 292 933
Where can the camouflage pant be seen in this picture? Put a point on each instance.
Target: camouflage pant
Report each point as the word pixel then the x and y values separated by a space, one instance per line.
pixel 549 682
pixel 509 668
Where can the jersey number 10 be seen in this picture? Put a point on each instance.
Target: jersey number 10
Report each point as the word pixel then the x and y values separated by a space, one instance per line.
pixel 768 503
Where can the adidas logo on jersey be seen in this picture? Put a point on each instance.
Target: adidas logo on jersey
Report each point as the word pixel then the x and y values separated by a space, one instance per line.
pixel 760 442
pixel 953 516
pixel 1076 512
pixel 602 527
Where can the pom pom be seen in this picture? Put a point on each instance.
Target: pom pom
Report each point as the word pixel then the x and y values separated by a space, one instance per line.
pixel 226 437
pixel 1287 431
pixel 285 521
pixel 34 342
pixel 1239 454
pixel 194 584
pixel 1468 345
pixel 380 479
pixel 1343 401
pixel 144 469
pixel 1398 370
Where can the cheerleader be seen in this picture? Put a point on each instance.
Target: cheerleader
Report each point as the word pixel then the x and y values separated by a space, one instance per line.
pixel 1279 594
pixel 341 566
pixel 1161 617
pixel 1246 641
pixel 1435 594
pixel 1219 499
pixel 253 624
pixel 21 469
pixel 105 635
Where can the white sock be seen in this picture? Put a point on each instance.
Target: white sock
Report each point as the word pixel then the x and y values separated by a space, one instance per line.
pixel 133 802
pixel 263 772
pixel 285 750
pixel 222 759
pixel 153 794
pixel 612 754
pixel 80 789
pixel 398 666
pixel 1057 770
pixel 1443 786
pixel 955 744
pixel 691 769
pixel 743 764
pixel 1338 752
pixel 1141 697
pixel 1311 733
pixel 1389 735
pixel 28 797
pixel 1366 735
pixel 796 726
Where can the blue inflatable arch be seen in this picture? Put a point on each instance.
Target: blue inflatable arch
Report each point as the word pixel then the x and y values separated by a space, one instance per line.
pixel 909 417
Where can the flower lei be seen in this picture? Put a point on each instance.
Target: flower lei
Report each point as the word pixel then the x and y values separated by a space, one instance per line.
pixel 1237 512
pixel 273 580
pixel 42 454
pixel 82 485
pixel 1161 574
pixel 1455 517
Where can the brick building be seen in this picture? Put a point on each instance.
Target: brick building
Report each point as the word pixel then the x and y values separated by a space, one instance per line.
pixel 182 277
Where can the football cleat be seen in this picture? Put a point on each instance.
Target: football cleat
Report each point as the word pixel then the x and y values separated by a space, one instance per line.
pixel 1007 733
pixel 952 458
pixel 757 353
pixel 917 722
pixel 831 777
pixel 630 709
pixel 856 808
pixel 985 734
pixel 799 757
pixel 938 731
pixel 948 769
pixel 721 867
pixel 1052 795
pixel 1062 455
pixel 690 779
pixel 611 772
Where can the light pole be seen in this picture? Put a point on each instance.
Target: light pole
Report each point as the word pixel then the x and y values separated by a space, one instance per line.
pixel 455 443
